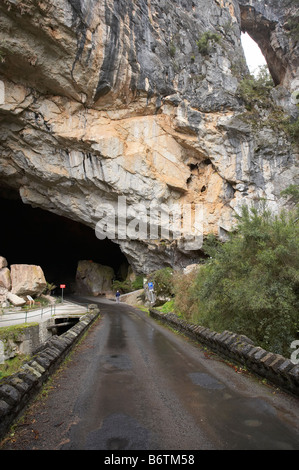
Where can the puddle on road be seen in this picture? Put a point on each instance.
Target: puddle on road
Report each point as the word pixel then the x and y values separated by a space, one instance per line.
pixel 252 423
pixel 118 432
pixel 112 362
pixel 117 336
pixel 205 381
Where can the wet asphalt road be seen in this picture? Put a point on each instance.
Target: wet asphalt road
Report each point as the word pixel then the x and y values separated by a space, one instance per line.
pixel 133 384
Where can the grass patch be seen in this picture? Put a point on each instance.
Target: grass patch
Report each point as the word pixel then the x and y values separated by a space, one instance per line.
pixel 167 307
pixel 13 333
pixel 11 366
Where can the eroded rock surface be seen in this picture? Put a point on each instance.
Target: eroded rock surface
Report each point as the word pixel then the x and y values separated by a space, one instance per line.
pixel 106 99
pixel 93 278
pixel 27 279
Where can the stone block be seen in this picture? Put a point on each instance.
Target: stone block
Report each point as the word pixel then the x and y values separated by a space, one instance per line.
pixel 5 279
pixel 27 279
pixel 9 393
pixel 3 262
pixel 15 299
pixel 285 367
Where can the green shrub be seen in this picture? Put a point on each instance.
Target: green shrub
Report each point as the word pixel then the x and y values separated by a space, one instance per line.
pixel 138 283
pixel 163 282
pixel 123 286
pixel 184 303
pixel 292 26
pixel 256 95
pixel 292 128
pixel 207 41
pixel 251 285
pixel 256 90
pixel 128 286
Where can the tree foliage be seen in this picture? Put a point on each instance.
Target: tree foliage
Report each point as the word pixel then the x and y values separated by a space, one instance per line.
pixel 163 282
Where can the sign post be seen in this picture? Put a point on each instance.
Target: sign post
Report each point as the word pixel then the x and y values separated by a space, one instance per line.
pixel 62 286
pixel 151 291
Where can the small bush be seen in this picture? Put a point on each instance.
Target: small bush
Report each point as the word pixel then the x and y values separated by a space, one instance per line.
pixel 292 27
pixel 256 90
pixel 128 286
pixel 207 41
pixel 163 282
pixel 292 128
pixel 183 295
pixel 251 286
pixel 256 95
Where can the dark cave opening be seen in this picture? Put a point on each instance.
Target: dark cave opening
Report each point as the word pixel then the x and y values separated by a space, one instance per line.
pixel 34 236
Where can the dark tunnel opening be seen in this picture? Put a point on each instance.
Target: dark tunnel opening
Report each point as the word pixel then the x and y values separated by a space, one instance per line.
pixel 34 236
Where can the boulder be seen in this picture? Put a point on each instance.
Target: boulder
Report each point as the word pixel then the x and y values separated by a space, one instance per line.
pixel 3 262
pixel 15 300
pixel 93 278
pixel 27 279
pixel 5 279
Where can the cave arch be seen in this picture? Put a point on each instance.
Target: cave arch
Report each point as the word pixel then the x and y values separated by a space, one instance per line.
pixel 260 29
pixel 35 236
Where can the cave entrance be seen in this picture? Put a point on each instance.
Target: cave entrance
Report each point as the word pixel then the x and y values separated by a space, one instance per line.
pixel 34 236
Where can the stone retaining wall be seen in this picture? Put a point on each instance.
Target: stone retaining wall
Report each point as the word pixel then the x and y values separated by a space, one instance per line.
pixel 275 368
pixel 17 390
pixel 23 340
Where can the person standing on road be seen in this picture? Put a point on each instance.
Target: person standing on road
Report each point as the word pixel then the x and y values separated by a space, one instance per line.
pixel 117 295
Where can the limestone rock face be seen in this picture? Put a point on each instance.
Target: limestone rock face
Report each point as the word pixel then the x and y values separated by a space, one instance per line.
pixel 27 280
pixel 93 278
pixel 106 99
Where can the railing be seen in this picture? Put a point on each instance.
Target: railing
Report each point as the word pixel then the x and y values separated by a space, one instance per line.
pixel 28 314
